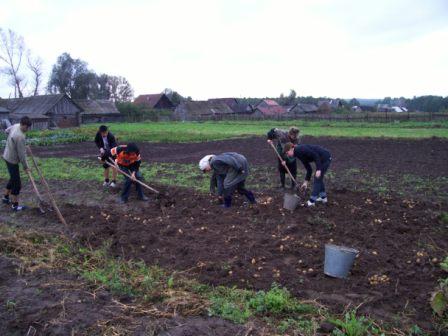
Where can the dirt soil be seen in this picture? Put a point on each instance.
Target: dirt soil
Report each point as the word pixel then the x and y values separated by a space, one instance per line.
pixel 53 302
pixel 254 246
pixel 426 157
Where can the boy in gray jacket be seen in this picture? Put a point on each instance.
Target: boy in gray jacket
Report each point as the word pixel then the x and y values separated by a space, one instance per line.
pixel 15 153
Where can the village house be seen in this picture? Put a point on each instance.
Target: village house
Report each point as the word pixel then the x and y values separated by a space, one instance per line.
pixel 236 106
pixel 268 108
pixel 202 110
pixel 155 101
pixel 46 111
pixel 98 111
pixel 302 108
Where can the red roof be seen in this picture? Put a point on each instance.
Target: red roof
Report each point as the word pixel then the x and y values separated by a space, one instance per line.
pixel 269 107
pixel 149 99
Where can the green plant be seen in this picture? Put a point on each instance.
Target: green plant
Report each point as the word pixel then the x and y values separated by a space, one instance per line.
pixel 439 298
pixel 352 325
pixel 10 305
pixel 277 301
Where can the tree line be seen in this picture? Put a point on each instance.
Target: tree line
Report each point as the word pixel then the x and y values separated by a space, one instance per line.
pixel 24 73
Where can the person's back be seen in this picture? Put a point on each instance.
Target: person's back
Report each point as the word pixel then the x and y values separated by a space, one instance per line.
pixel 13 152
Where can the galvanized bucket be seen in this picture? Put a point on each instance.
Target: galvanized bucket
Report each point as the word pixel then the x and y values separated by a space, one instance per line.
pixel 339 260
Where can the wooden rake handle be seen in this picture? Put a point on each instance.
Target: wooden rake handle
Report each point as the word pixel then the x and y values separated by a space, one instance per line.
pixel 115 166
pixel 281 159
pixel 47 188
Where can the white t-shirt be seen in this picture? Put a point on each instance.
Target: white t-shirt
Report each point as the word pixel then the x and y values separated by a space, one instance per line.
pixel 106 143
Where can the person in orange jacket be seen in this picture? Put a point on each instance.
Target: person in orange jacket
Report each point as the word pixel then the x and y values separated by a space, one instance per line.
pixel 128 159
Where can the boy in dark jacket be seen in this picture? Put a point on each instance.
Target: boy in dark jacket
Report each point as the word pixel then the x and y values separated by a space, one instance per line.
pixel 105 141
pixel 128 159
pixel 322 158
pixel 230 171
pixel 283 137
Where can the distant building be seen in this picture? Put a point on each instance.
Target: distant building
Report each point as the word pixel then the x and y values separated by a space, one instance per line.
pixel 45 111
pixel 155 101
pixel 301 108
pixel 202 110
pixel 236 106
pixel 268 108
pixel 356 109
pixel 98 111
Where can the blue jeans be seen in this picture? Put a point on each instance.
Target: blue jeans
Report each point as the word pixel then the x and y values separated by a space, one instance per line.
pixel 318 184
pixel 128 183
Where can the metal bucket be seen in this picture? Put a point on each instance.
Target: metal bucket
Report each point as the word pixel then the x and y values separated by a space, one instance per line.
pixel 291 201
pixel 339 260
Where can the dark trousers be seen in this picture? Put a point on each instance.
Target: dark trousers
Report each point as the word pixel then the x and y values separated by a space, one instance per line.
pixel 241 189
pixel 128 183
pixel 318 184
pixel 14 183
pixel 292 166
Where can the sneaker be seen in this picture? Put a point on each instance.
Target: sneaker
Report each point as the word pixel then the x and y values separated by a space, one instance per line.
pixel 323 200
pixel 6 200
pixel 18 208
pixel 112 185
pixel 105 184
pixel 310 203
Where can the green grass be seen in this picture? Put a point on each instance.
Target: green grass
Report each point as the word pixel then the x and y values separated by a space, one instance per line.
pixel 208 131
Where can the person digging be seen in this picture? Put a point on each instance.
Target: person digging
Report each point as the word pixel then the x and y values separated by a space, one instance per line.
pixel 105 140
pixel 15 153
pixel 283 137
pixel 322 159
pixel 128 159
pixel 229 174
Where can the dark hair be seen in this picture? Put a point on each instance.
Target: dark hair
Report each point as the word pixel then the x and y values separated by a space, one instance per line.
pixel 25 121
pixel 132 148
pixel 103 128
pixel 288 147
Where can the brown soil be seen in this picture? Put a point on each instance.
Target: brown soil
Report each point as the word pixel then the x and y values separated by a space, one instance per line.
pixel 254 246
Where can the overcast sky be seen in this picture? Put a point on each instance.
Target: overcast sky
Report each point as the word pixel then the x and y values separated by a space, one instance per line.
pixel 258 48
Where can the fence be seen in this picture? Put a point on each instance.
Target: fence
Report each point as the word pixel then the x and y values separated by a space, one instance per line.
pixel 381 117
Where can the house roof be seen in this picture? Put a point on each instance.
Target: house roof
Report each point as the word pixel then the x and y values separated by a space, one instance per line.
pixel 303 108
pixel 97 107
pixel 204 108
pixel 269 107
pixel 234 104
pixel 3 110
pixel 34 106
pixel 150 99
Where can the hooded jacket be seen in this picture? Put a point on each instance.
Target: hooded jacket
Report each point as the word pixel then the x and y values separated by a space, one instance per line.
pixel 232 166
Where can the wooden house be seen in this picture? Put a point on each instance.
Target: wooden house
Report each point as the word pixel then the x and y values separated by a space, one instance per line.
pixel 155 101
pixel 98 111
pixel 45 111
pixel 202 110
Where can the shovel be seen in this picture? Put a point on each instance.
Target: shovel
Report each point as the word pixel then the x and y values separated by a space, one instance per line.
pixel 168 200
pixel 115 166
pixel 42 205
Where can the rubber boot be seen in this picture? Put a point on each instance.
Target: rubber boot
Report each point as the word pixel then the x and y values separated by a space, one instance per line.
pixel 227 202
pixel 250 196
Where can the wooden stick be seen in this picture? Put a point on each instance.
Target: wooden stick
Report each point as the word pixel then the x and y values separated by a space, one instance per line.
pixel 113 165
pixel 281 159
pixel 36 191
pixel 47 187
